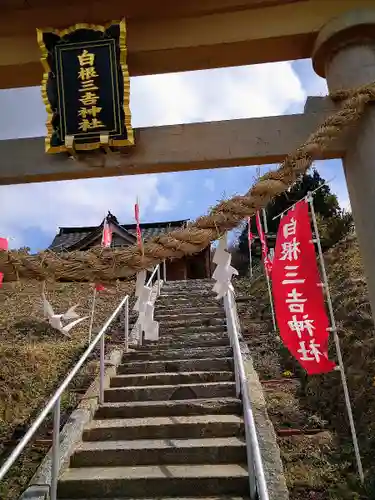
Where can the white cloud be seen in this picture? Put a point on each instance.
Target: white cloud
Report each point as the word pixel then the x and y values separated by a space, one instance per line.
pixel 209 184
pixel 163 204
pixel 218 94
pixel 261 90
pixel 73 203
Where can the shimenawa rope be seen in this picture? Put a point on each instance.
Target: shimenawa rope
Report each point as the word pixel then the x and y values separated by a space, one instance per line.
pixel 105 265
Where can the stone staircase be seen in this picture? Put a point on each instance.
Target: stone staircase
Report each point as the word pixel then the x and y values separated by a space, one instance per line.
pixel 171 425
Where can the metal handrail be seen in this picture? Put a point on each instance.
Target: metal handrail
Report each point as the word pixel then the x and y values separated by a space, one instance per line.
pixel 54 402
pixel 257 481
pixel 157 272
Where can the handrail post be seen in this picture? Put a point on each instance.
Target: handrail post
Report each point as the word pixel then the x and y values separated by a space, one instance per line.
pixel 140 333
pixel 249 451
pixel 101 375
pixel 158 279
pixel 232 333
pixel 164 271
pixel 55 450
pixel 126 324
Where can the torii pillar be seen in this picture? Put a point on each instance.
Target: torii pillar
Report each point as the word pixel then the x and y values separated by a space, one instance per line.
pixel 344 54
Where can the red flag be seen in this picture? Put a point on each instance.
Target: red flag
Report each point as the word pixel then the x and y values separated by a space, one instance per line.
pixel 99 287
pixel 299 301
pixel 106 243
pixel 250 236
pixel 139 234
pixel 3 246
pixel 266 260
pixel 107 235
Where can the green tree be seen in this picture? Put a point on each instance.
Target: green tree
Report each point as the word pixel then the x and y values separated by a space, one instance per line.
pixel 332 220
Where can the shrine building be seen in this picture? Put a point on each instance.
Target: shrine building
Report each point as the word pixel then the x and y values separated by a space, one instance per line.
pixel 69 239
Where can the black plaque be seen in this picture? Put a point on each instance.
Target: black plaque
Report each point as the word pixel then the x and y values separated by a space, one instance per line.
pixel 86 86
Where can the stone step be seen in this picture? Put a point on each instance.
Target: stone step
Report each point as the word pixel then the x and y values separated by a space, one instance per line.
pixel 207 290
pixel 174 408
pixel 153 481
pixel 176 305
pixel 218 497
pixel 176 365
pixel 189 283
pixel 178 344
pixel 194 352
pixel 187 309
pixel 202 292
pixel 194 314
pixel 160 452
pixel 180 336
pixel 170 378
pixel 188 299
pixel 188 330
pixel 184 427
pixel 192 322
pixel 164 392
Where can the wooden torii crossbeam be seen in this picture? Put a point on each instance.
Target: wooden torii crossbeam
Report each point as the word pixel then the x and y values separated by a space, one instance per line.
pixel 193 146
pixel 168 36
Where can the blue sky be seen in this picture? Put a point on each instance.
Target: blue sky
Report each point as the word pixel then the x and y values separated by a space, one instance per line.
pixel 31 214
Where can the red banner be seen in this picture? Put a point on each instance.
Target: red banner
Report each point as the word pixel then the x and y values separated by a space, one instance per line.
pixel 107 235
pixel 266 260
pixel 106 242
pixel 298 295
pixel 3 246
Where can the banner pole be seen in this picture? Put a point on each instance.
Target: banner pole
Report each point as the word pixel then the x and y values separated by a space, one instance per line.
pixel 249 246
pixel 265 220
pixel 92 314
pixel 250 262
pixel 336 339
pixel 271 300
pixel 266 273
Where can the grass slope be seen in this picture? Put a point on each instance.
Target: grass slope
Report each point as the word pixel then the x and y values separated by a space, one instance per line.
pixel 325 464
pixel 34 359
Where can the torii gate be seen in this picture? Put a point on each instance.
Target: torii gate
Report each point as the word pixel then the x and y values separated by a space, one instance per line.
pixel 169 36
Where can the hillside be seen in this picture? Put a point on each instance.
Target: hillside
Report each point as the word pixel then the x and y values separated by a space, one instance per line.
pixel 34 358
pixel 319 462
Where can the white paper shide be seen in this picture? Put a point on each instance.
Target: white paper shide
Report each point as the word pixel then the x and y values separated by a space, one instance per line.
pixel 145 309
pixel 56 320
pixel 224 271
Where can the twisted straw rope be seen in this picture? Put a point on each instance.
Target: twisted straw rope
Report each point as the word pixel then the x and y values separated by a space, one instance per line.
pixel 105 265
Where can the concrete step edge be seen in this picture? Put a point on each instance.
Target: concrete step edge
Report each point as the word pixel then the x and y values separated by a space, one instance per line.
pixel 168 402
pixel 178 471
pixel 170 386
pixel 182 360
pixel 163 421
pixel 161 444
pixel 219 497
pixel 177 351
pixel 125 376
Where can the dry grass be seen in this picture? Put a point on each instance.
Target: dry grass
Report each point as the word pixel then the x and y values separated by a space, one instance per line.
pixel 34 358
pixel 357 337
pixel 314 470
